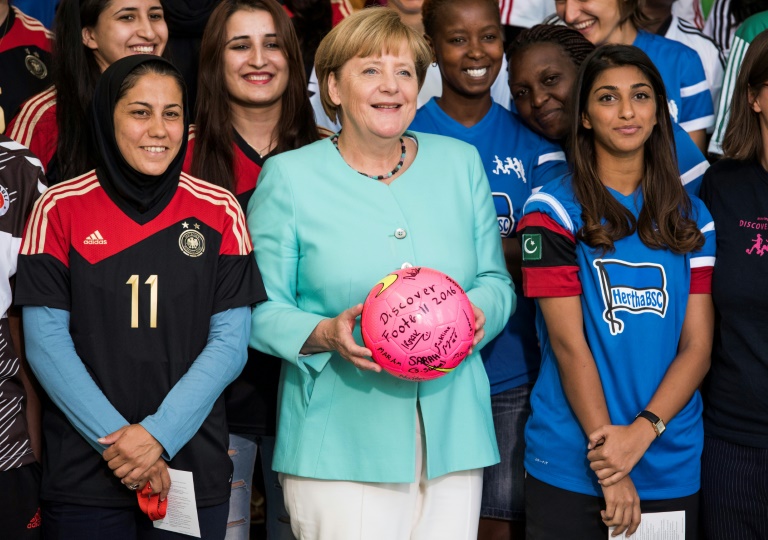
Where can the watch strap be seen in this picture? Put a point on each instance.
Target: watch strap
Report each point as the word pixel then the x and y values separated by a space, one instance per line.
pixel 654 420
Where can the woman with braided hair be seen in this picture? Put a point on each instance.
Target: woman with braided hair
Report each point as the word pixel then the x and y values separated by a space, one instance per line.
pixel 543 62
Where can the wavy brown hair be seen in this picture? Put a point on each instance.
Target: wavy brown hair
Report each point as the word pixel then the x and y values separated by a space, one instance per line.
pixel 742 139
pixel 665 218
pixel 214 156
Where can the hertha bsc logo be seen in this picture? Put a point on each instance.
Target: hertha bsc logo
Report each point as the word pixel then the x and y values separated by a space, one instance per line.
pixel 192 243
pixel 635 288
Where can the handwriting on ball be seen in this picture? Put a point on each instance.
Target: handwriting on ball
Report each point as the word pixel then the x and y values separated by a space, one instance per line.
pixel 404 328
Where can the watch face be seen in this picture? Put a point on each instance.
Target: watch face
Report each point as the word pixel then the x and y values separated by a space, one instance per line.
pixel 660 427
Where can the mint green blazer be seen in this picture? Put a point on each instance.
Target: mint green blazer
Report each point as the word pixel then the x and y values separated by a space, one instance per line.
pixel 323 235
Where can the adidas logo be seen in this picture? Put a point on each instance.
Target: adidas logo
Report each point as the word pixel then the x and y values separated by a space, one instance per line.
pixel 35 522
pixel 95 238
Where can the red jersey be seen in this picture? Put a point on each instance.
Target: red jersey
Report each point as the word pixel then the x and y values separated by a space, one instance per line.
pixel 35 126
pixel 248 165
pixel 25 61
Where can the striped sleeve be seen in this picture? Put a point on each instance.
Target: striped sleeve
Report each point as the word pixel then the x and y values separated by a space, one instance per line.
pixel 35 125
pixel 738 50
pixel 547 237
pixel 703 261
pixel 235 239
pixel 44 233
pixel 550 164
pixel 43 277
pixel 238 280
pixel 690 161
pixel 696 110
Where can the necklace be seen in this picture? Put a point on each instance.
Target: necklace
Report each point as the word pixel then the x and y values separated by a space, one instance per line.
pixel 264 151
pixel 335 141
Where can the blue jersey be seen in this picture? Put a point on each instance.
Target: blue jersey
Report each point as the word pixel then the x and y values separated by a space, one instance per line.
pixel 517 161
pixel 690 100
pixel 690 161
pixel 634 301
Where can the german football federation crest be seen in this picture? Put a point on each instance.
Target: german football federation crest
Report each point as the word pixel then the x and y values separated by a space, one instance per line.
pixel 631 287
pixel 191 242
pixel 35 66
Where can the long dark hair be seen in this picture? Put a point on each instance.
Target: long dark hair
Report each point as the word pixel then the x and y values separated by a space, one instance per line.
pixel 214 156
pixel 742 139
pixel 664 221
pixel 75 73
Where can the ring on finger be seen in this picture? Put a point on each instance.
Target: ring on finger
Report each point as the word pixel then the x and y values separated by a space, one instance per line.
pixel 133 487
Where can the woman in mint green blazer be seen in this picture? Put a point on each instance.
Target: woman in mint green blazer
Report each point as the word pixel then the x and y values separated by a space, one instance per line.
pixel 327 222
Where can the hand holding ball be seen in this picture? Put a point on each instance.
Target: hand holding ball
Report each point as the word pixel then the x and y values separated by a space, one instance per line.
pixel 418 323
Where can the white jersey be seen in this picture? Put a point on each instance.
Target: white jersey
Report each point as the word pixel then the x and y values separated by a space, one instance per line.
pixel 720 25
pixel 690 10
pixel 525 13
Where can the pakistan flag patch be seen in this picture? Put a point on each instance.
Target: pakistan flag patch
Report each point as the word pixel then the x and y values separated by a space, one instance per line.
pixel 531 247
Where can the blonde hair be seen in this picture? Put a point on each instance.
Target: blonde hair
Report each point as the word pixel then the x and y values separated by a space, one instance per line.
pixel 370 32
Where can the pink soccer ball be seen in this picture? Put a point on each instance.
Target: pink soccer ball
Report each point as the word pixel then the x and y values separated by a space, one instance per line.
pixel 418 323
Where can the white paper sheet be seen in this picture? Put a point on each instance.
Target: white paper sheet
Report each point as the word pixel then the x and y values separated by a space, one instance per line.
pixel 181 516
pixel 657 526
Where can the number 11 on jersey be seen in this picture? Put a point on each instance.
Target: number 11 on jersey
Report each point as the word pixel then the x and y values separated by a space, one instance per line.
pixel 133 281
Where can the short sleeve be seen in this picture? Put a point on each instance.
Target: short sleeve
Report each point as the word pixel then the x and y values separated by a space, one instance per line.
pixel 42 276
pixel 547 237
pixel 690 161
pixel 696 110
pixel 550 164
pixel 238 281
pixel 703 261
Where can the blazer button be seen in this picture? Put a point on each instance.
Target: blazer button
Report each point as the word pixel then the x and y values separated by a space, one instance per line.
pixel 400 234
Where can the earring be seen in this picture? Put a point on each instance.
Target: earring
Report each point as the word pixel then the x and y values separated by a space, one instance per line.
pixel 434 64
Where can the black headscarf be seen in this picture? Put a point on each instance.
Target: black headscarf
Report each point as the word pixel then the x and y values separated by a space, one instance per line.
pixel 139 195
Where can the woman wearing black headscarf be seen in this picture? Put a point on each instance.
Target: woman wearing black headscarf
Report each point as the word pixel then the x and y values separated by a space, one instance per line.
pixel 135 281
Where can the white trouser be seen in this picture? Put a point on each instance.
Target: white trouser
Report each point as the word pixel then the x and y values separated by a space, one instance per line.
pixel 444 508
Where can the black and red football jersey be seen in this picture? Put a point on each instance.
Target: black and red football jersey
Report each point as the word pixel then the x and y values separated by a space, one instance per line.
pixel 21 182
pixel 25 62
pixel 36 126
pixel 140 298
pixel 247 166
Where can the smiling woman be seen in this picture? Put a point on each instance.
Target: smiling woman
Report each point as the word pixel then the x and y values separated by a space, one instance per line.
pixel 252 105
pixel 149 321
pixel 356 446
pixel 149 133
pixel 620 21
pixel 618 252
pixel 90 36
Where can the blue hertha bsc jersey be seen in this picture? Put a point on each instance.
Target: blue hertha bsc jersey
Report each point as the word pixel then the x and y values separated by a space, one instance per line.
pixel 634 301
pixel 688 94
pixel 517 162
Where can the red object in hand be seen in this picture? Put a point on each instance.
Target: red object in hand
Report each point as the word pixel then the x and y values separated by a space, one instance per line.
pixel 151 504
